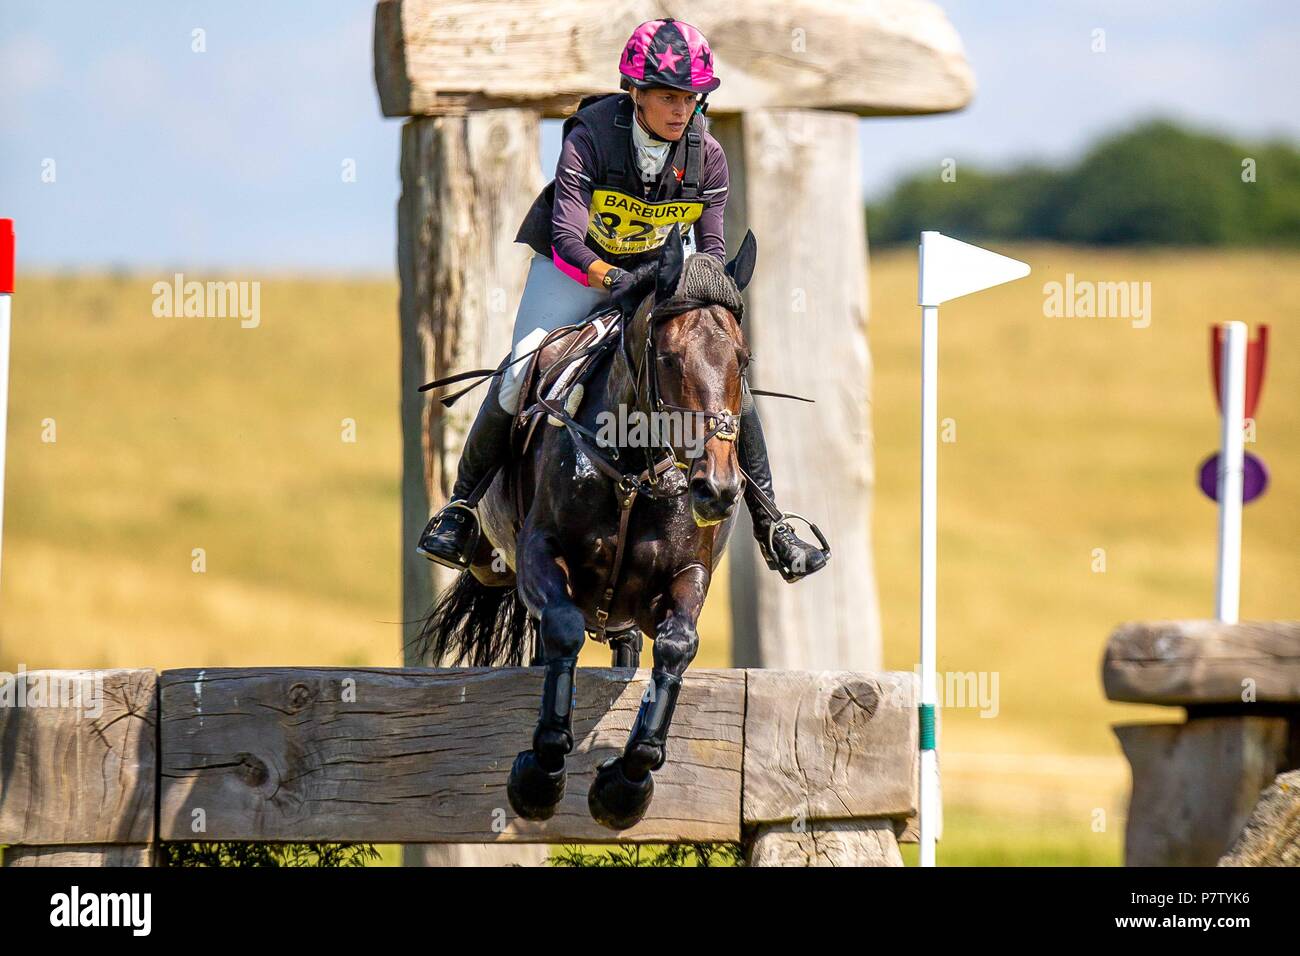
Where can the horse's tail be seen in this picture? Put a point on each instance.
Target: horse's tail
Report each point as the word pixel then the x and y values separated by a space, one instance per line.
pixel 476 625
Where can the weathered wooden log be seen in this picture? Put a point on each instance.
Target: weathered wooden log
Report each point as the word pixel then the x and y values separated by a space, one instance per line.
pixel 1271 837
pixel 94 855
pixel 823 763
pixel 868 58
pixel 78 763
pixel 830 745
pixel 415 756
pixel 1204 662
pixel 830 843
pixel 795 182
pixel 1195 785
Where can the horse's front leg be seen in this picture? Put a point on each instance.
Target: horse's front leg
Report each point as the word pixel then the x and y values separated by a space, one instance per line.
pixel 536 783
pixel 624 786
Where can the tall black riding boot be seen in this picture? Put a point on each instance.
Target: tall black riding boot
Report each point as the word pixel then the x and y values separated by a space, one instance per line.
pixel 787 553
pixel 451 536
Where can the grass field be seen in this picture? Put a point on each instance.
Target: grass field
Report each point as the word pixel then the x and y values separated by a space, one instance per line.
pixel 135 440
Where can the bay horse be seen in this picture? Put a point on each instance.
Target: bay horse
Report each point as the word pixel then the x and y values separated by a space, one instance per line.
pixel 613 539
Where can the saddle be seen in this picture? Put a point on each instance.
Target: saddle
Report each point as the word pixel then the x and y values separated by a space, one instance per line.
pixel 557 372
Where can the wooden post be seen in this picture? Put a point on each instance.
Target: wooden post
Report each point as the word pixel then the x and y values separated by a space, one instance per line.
pixel 795 181
pixel 466 183
pixel 830 767
pixel 1196 783
pixel 830 843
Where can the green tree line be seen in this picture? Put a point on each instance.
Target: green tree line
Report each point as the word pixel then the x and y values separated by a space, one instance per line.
pixel 1158 183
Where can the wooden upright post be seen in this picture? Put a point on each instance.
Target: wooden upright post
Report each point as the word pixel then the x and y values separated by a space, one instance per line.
pixel 467 182
pixel 795 181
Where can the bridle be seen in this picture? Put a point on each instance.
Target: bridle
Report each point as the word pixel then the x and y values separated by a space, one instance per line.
pixel 723 424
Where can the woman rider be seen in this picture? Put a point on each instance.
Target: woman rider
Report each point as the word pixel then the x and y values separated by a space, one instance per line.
pixel 615 198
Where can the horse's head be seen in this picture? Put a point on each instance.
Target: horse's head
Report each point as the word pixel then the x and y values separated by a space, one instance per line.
pixel 692 353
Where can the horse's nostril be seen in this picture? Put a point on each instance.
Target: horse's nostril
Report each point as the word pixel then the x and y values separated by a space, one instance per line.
pixel 703 489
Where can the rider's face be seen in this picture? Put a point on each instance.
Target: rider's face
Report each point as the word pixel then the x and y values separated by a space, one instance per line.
pixel 666 111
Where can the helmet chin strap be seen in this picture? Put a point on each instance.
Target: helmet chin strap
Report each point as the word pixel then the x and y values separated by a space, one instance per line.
pixel 640 115
pixel 645 126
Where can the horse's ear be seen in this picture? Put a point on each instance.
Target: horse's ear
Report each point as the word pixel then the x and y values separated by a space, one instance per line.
pixel 670 265
pixel 741 268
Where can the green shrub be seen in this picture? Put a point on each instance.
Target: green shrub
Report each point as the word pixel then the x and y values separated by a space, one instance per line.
pixel 635 854
pixel 267 854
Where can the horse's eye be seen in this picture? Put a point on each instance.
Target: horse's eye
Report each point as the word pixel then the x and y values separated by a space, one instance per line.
pixel 669 361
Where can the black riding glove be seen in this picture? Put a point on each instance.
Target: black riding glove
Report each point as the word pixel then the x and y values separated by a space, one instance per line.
pixel 627 288
pixel 620 282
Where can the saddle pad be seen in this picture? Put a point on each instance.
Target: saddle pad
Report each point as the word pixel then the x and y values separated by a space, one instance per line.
pixel 603 328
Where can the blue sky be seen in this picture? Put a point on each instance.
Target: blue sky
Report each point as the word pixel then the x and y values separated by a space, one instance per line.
pixel 232 158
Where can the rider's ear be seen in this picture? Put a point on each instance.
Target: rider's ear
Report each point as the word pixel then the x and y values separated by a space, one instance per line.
pixel 741 268
pixel 670 265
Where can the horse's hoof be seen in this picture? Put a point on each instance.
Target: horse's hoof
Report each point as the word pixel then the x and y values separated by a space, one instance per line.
pixel 614 800
pixel 533 791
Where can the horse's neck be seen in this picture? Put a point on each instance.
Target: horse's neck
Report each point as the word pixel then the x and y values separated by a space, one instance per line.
pixel 620 384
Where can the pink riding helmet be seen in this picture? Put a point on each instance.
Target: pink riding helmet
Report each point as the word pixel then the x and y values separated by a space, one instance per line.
pixel 671 53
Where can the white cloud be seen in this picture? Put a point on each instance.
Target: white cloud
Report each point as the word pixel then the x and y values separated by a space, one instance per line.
pixel 28 65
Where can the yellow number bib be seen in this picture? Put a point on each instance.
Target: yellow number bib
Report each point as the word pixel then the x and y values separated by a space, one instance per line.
pixel 622 225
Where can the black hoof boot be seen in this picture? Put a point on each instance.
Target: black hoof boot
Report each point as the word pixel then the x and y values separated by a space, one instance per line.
pixel 614 800
pixel 533 791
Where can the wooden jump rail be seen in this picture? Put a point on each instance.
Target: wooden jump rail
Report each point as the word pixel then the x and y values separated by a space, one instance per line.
pixel 1215 787
pixel 804 768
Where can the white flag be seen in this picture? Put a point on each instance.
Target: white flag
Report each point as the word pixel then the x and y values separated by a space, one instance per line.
pixel 950 268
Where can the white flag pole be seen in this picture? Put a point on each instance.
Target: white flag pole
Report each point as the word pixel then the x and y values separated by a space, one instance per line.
pixel 930 822
pixel 6 294
pixel 946 269
pixel 1232 404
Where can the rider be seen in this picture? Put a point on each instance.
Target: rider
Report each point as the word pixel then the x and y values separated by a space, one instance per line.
pixel 589 232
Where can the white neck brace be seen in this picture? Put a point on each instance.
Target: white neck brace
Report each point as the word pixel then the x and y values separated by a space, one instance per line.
pixel 650 155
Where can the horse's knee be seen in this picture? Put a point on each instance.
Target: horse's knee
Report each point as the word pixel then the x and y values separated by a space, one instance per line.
pixel 676 643
pixel 562 630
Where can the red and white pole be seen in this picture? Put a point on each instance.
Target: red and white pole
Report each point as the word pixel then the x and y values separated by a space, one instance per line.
pixel 6 294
